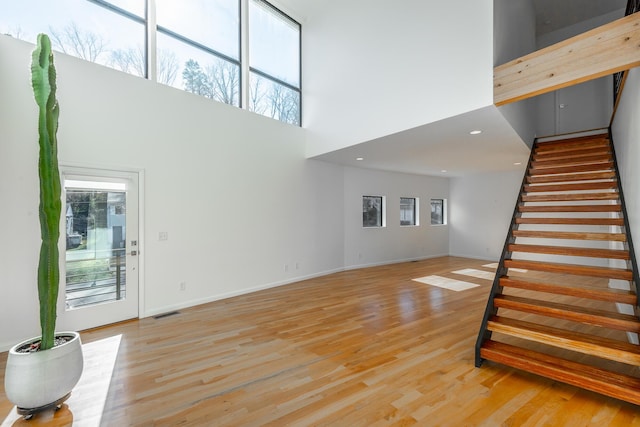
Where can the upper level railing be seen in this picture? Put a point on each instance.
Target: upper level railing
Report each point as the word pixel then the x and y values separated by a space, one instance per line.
pixel 633 6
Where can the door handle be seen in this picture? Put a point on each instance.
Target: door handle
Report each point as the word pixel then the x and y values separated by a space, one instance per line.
pixel 133 253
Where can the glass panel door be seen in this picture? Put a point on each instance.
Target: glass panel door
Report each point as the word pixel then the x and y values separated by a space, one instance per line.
pixel 95 239
pixel 101 254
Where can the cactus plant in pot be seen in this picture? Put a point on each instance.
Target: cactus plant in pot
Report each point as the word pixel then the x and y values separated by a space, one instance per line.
pixel 41 371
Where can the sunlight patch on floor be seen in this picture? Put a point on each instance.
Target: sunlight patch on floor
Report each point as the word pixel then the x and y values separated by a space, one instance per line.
pixel 443 282
pixel 89 396
pixel 479 274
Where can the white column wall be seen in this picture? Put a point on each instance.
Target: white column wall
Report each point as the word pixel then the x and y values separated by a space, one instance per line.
pixel 626 138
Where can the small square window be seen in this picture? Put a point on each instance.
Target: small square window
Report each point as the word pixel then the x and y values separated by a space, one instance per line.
pixel 438 211
pixel 372 211
pixel 409 211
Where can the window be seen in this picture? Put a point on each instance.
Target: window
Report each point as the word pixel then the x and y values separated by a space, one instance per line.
pixel 197 45
pixel 83 29
pixel 438 211
pixel 409 211
pixel 274 60
pixel 373 211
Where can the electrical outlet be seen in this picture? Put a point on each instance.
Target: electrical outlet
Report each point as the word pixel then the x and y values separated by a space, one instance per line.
pixel 163 235
pixel 286 268
pixel 183 286
pixel 297 265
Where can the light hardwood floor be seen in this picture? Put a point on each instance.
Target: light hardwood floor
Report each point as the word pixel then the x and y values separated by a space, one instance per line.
pixel 366 347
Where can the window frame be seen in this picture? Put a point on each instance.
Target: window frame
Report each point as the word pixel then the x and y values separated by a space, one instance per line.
pixel 265 75
pixel 151 29
pixel 416 212
pixel 382 223
pixel 443 204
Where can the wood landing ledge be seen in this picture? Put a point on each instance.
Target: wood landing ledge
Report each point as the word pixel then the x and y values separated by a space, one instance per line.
pixel 599 52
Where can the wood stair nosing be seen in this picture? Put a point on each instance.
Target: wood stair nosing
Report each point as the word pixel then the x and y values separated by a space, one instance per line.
pixel 569 235
pixel 608 295
pixel 607 185
pixel 565 144
pixel 573 161
pixel 574 197
pixel 605 348
pixel 571 208
pixel 588 316
pixel 572 221
pixel 597 167
pixel 578 270
pixel 571 177
pixel 569 251
pixel 572 154
pixel 612 384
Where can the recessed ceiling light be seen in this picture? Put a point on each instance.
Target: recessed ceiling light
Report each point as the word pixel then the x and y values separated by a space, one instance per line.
pixel 443 171
pixel 517 163
pixel 475 132
pixel 359 159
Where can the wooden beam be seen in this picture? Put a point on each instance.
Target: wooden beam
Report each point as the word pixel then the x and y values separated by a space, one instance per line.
pixel 602 51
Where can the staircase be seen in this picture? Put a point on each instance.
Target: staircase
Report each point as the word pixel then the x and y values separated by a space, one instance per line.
pixel 564 302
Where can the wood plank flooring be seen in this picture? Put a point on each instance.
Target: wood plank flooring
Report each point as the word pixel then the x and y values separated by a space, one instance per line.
pixel 366 347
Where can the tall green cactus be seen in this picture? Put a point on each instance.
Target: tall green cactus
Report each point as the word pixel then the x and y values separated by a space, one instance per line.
pixel 43 81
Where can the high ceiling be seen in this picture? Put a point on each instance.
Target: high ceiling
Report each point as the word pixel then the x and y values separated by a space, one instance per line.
pixel 447 145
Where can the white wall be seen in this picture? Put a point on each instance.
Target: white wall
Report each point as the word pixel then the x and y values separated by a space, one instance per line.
pixel 626 137
pixel 585 106
pixel 233 189
pixel 393 243
pixel 375 67
pixel 514 35
pixel 481 207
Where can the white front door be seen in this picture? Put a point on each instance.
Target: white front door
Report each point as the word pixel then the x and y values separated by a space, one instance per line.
pixel 99 281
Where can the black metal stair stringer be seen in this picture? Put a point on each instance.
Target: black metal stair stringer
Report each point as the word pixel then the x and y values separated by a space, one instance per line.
pixel 485 334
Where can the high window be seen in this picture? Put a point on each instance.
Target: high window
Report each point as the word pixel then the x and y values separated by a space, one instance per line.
pixel 274 59
pixel 408 211
pixel 200 46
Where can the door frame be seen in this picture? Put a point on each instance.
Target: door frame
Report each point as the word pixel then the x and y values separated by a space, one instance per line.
pixel 67 168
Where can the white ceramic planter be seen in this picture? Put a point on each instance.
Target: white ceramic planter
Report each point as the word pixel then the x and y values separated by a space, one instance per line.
pixel 34 380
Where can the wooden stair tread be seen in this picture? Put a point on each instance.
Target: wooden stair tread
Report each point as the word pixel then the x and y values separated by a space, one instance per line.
pixel 570 251
pixel 596 167
pixel 606 348
pixel 575 178
pixel 570 197
pixel 572 208
pixel 609 294
pixel 589 316
pixel 572 161
pixel 607 185
pixel 612 384
pixel 568 145
pixel 579 270
pixel 568 177
pixel 568 235
pixel 572 221
pixel 572 154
